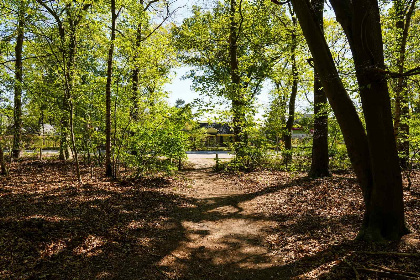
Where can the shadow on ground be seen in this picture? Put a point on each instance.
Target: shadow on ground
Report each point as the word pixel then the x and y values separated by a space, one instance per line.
pixel 51 228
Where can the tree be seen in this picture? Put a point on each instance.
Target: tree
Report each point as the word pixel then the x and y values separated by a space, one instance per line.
pixel 17 135
pixel 144 29
pixel 230 60
pixel 320 159
pixel 287 137
pixel 372 152
pixel 108 164
pixel 67 29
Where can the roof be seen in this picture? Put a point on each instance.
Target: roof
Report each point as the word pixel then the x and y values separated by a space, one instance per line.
pixel 220 128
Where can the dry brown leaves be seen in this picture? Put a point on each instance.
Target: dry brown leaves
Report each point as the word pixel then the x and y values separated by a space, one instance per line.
pixel 198 225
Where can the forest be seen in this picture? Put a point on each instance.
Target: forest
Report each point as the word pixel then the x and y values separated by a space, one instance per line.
pixel 294 154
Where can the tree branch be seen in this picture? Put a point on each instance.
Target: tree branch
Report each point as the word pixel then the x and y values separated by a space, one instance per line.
pixel 25 58
pixel 411 72
pixel 280 2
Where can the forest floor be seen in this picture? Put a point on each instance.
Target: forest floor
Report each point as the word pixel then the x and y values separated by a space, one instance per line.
pixel 197 224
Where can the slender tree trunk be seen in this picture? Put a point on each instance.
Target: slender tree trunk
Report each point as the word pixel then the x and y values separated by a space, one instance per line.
pixel 402 111
pixel 374 157
pixel 320 159
pixel 238 100
pixel 136 72
pixel 292 101
pixel 17 137
pixel 69 92
pixel 41 122
pixel 108 164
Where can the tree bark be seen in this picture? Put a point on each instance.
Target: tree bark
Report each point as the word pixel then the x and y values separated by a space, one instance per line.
pixel 108 164
pixel 320 159
pixel 17 135
pixel 373 156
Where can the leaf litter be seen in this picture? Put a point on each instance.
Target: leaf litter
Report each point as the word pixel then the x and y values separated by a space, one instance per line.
pixel 195 225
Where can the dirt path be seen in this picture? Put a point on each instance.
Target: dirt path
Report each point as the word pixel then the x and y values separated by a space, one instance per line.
pixel 265 226
pixel 221 230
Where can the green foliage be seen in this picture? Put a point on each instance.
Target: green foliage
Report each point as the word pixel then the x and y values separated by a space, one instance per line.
pixel 158 143
pixel 253 156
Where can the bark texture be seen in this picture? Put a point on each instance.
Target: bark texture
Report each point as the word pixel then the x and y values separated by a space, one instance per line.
pixel 320 159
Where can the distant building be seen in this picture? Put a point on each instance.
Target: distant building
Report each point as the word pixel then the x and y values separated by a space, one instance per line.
pixel 299 133
pixel 47 130
pixel 217 134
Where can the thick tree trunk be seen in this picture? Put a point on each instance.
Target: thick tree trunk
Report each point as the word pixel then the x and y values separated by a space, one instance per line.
pixel 108 164
pixel 402 112
pixel 371 156
pixel 320 159
pixel 384 217
pixel 17 135
pixel 374 158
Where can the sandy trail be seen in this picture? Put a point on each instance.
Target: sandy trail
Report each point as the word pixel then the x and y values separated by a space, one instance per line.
pixel 222 229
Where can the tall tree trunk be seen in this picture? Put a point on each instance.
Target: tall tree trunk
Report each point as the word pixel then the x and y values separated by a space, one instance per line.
pixel 108 164
pixel 69 92
pixel 402 112
pixel 17 135
pixel 385 209
pixel 136 72
pixel 374 156
pixel 320 159
pixel 68 57
pixel 135 78
pixel 238 100
pixel 292 101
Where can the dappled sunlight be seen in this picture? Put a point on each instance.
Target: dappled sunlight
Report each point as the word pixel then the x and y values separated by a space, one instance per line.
pixel 53 248
pixel 90 247
pixel 204 226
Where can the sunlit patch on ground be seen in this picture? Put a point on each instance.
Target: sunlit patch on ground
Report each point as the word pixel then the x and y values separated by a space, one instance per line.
pixel 198 225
